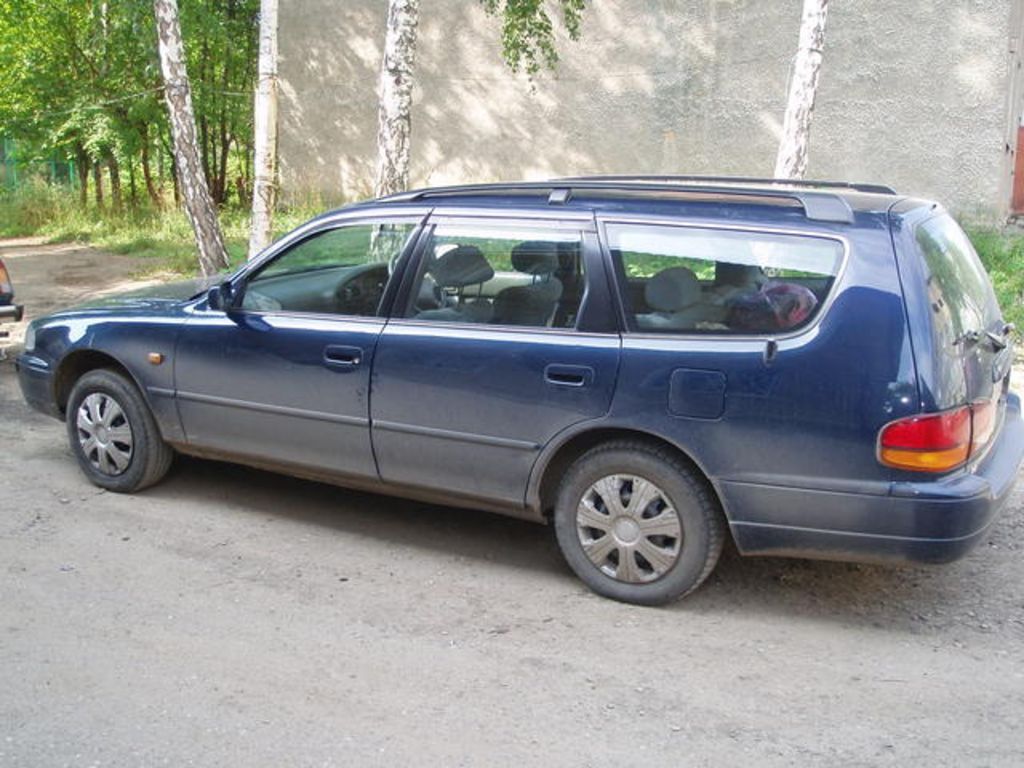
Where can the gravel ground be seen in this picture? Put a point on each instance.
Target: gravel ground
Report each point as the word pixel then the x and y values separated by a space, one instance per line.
pixel 233 617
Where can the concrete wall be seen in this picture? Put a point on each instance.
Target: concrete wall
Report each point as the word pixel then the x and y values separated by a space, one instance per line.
pixel 918 99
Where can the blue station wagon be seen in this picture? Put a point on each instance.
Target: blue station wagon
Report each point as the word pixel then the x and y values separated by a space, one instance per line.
pixel 651 364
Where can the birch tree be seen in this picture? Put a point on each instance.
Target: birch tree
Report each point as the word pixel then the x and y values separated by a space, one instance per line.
pixel 528 42
pixel 202 214
pixel 791 161
pixel 394 119
pixel 264 190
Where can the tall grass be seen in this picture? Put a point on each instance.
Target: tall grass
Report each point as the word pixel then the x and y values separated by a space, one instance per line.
pixel 162 238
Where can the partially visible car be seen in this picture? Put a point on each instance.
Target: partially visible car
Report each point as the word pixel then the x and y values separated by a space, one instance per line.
pixel 9 311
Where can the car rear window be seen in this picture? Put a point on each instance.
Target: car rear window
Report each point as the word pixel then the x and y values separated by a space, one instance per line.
pixel 696 280
pixel 959 292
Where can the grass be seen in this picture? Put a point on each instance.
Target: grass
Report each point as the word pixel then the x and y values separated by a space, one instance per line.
pixel 1002 253
pixel 164 238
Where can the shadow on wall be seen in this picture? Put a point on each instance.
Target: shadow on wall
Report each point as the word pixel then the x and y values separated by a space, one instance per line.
pixel 630 96
pixel 653 86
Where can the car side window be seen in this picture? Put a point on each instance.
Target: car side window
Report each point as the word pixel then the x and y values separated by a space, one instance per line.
pixel 692 280
pixel 500 276
pixel 339 271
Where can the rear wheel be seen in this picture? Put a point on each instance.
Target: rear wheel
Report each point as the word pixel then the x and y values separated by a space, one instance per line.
pixel 113 435
pixel 637 524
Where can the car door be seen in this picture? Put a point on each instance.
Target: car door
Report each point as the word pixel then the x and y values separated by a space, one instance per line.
pixel 496 347
pixel 282 376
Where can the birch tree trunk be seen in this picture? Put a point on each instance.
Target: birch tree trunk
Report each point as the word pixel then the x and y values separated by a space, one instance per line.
pixel 264 188
pixel 198 203
pixel 394 119
pixel 791 162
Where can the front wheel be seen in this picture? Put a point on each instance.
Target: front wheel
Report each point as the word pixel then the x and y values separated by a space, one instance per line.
pixel 637 524
pixel 113 435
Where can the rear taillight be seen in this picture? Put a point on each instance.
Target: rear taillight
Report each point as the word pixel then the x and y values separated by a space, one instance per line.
pixel 983 423
pixel 937 442
pixel 5 281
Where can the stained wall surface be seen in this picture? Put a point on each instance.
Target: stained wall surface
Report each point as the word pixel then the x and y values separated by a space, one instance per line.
pixel 920 94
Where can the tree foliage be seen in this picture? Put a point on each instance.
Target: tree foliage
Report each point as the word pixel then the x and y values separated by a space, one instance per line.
pixel 528 33
pixel 80 78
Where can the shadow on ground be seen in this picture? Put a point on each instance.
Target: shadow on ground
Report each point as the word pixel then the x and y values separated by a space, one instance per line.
pixel 915 599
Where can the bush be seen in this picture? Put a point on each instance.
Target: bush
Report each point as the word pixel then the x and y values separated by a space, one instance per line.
pixel 1002 253
pixel 33 207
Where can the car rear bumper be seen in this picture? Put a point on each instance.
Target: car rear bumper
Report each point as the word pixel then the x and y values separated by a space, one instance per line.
pixel 922 522
pixel 36 379
pixel 11 313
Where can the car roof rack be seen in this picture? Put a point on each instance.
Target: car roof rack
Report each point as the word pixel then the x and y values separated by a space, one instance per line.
pixel 818 205
pixel 854 186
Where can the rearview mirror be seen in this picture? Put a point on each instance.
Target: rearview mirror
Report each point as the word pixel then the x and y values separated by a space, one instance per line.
pixel 219 297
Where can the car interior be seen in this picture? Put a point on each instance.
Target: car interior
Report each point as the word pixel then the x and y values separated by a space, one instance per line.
pixel 535 283
pixel 729 298
pixel 539 283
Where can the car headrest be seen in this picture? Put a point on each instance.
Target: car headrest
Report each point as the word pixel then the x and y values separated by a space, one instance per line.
pixel 462 265
pixel 737 275
pixel 535 257
pixel 672 289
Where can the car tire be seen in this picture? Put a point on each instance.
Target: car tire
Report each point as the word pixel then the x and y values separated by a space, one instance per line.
pixel 649 549
pixel 113 434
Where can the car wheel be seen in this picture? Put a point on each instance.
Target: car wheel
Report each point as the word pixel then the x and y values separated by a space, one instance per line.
pixel 113 434
pixel 637 524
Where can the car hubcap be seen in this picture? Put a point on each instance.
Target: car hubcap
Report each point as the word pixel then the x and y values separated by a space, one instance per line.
pixel 104 434
pixel 629 529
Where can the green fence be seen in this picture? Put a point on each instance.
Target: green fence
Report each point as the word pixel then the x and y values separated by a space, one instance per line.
pixel 17 171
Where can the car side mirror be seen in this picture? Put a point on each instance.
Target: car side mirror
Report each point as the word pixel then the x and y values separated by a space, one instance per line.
pixel 219 297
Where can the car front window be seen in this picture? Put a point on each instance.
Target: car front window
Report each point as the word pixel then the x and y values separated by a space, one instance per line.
pixel 342 271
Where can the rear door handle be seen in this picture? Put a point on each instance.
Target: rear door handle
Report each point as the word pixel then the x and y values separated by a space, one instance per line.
pixel 568 375
pixel 339 356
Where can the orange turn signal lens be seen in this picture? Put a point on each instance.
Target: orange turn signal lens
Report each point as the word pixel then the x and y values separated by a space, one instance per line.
pixel 924 461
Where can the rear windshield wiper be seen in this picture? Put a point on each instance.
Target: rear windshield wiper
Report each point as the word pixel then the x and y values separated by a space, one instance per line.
pixel 996 341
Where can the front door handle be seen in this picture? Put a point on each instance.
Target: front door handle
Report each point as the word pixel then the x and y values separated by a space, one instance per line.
pixel 568 375
pixel 339 356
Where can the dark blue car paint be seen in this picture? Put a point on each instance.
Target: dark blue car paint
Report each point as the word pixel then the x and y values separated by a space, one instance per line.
pixel 783 426
pixel 260 384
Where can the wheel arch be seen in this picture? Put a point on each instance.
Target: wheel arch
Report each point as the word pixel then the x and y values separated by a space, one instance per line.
pixel 79 362
pixel 557 458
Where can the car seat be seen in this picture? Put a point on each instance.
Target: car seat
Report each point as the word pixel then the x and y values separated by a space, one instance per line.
pixel 457 269
pixel 675 296
pixel 733 280
pixel 532 304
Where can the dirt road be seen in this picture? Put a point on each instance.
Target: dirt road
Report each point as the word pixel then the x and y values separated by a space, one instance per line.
pixel 230 617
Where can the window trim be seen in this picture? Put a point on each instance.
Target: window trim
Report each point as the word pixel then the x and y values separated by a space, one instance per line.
pixel 617 274
pixel 589 244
